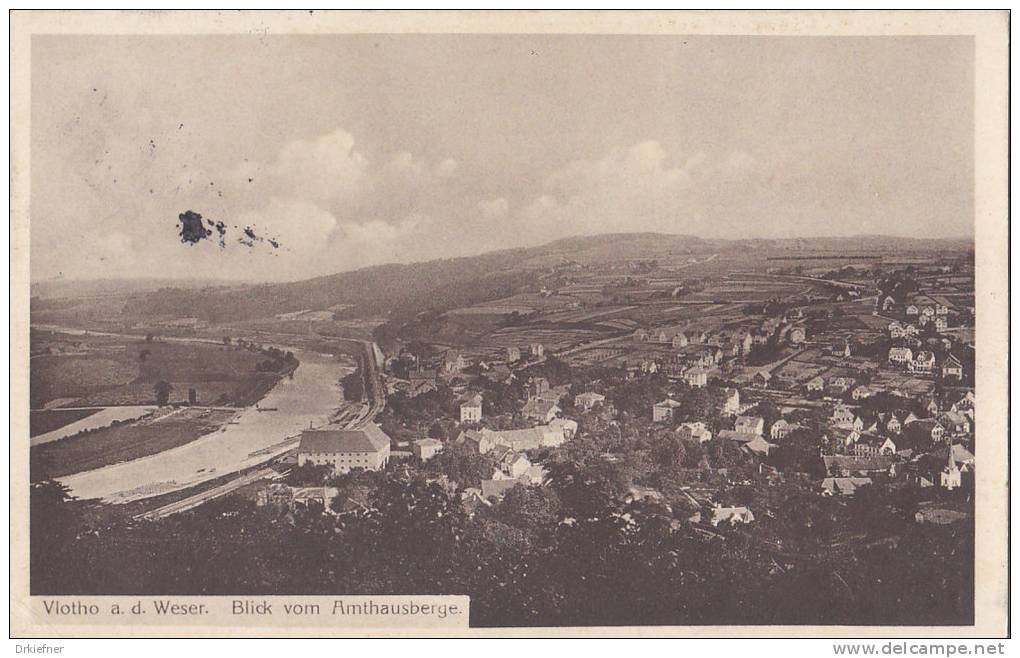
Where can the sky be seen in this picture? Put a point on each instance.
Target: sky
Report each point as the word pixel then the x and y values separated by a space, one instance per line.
pixel 357 150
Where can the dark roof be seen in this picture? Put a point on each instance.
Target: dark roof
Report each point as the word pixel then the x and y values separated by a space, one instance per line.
pixel 739 437
pixel 871 440
pixel 855 463
pixel 539 406
pixel 333 440
pixel 497 487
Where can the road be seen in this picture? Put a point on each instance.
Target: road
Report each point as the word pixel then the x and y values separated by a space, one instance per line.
pixel 192 502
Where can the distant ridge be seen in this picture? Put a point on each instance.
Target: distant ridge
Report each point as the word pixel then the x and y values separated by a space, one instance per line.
pixel 113 286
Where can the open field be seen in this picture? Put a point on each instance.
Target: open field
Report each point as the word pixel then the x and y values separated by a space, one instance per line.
pixel 800 369
pixel 896 380
pixel 98 371
pixel 552 339
pixel 76 376
pixel 122 443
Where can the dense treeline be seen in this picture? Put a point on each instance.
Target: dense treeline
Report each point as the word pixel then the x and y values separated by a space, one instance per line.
pixel 566 554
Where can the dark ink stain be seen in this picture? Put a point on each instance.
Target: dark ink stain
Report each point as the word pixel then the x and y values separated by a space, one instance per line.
pixel 192 229
pixel 180 127
pixel 250 179
pixel 221 229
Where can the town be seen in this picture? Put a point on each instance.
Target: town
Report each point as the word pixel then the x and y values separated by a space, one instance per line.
pixel 868 386
pixel 804 413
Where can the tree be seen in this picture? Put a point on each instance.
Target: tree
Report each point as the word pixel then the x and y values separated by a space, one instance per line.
pixel 769 412
pixel 669 452
pixel 530 508
pixel 799 453
pixel 462 465
pixel 309 475
pixel 162 390
pixel 54 525
pixel 353 386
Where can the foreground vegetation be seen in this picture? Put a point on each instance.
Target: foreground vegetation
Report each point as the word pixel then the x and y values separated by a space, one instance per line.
pixel 567 554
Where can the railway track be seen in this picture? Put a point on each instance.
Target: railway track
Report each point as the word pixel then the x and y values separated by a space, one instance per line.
pixel 192 502
pixel 349 418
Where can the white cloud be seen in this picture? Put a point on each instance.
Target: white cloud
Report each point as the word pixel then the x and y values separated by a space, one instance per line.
pixel 335 208
pixel 324 169
pixel 301 226
pixel 637 189
pixel 495 208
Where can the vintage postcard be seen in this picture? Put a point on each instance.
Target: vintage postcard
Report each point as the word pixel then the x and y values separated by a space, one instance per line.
pixel 509 324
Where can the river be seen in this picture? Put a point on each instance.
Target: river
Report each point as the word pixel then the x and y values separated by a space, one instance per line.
pixel 309 397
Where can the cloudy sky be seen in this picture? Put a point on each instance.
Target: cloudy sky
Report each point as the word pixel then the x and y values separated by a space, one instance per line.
pixel 356 150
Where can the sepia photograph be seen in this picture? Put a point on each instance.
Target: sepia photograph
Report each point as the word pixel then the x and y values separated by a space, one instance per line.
pixel 447 321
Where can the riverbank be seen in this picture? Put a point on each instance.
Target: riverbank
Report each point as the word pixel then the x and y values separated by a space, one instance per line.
pixel 123 442
pixel 308 398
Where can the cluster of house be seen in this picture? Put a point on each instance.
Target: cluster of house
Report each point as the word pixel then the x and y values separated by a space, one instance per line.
pixel 954 423
pixel 947 469
pixel 917 313
pixel 838 385
pixel 533 351
pixel 510 449
pixel 512 468
pixel 667 409
pixel 730 343
pixel 922 362
pixel 865 443
pixel 549 435
pixel 692 364
pixel 748 432
pixel 453 362
pixel 718 513
pixel 868 445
